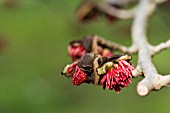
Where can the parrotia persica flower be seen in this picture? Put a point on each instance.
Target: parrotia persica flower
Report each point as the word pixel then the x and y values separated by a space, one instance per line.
pixel 76 51
pixel 114 72
pixel 78 76
pixel 78 48
pixel 118 77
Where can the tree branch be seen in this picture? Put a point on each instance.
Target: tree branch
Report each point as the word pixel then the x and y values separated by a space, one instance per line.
pixel 152 79
pixel 140 45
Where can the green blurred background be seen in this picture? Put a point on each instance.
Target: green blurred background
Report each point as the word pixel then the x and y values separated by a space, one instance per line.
pixel 34 36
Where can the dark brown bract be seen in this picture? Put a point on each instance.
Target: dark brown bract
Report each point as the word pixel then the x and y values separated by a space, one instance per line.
pixel 86 62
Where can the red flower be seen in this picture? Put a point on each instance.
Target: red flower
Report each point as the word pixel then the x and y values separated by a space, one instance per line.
pixel 118 77
pixel 76 52
pixel 78 77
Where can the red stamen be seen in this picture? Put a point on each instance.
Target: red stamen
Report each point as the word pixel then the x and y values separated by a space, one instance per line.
pixel 118 77
pixel 78 77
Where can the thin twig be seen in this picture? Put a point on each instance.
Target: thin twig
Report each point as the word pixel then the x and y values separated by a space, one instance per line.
pixel 120 2
pixel 162 46
pixel 119 13
pixel 116 46
pixel 125 13
pixel 94 45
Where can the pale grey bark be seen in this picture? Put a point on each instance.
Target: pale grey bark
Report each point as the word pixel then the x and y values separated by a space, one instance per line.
pixel 140 45
pixel 152 80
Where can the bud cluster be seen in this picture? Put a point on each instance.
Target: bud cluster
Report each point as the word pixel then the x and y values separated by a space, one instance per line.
pixel 112 71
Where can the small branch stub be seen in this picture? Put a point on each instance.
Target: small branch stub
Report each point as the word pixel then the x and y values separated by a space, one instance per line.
pixel 142 90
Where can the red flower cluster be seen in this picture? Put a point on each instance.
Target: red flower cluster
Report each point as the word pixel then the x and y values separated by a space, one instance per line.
pixel 77 51
pixel 78 75
pixel 114 71
pixel 118 77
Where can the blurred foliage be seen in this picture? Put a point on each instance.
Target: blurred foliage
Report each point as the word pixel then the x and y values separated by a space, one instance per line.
pixel 36 34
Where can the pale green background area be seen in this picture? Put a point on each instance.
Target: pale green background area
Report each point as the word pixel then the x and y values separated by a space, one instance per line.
pixel 38 32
